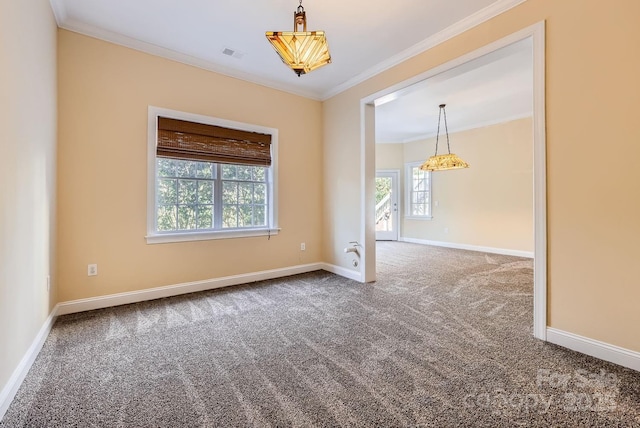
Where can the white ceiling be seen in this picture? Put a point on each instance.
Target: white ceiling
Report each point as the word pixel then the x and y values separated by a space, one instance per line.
pixel 492 89
pixel 365 36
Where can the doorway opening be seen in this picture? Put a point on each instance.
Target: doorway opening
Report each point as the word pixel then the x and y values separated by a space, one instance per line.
pixel 368 116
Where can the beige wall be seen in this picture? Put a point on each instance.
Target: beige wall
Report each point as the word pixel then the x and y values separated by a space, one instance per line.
pixel 390 156
pixel 591 113
pixel 105 90
pixel 27 174
pixel 341 154
pixel 489 204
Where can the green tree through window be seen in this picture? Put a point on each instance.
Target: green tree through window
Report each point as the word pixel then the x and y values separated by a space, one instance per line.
pixel 195 195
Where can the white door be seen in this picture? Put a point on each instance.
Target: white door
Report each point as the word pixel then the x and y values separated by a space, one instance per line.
pixel 386 215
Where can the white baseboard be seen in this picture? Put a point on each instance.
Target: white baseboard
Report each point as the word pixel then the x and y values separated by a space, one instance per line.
pixel 100 302
pixel 11 388
pixel 13 384
pixel 595 348
pixel 339 270
pixel 493 250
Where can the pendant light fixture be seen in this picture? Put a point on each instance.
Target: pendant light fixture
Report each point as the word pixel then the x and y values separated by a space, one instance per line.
pixel 302 51
pixel 443 162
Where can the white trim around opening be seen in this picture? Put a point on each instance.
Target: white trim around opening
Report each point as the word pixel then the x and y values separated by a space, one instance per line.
pixel 367 232
pixel 155 237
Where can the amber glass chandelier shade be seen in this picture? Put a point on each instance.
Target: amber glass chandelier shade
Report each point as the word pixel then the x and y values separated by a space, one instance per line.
pixel 443 163
pixel 302 51
pixel 447 161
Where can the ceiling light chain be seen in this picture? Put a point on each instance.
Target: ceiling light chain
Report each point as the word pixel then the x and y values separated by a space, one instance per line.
pixel 446 128
pixel 300 18
pixel 302 51
pixel 443 162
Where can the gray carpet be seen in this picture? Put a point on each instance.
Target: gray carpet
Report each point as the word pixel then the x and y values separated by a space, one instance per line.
pixel 442 339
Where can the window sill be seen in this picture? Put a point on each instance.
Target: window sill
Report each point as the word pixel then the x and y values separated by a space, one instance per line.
pixel 164 238
pixel 415 217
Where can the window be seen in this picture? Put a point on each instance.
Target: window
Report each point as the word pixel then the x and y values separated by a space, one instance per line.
pixel 418 189
pixel 209 178
pixel 186 193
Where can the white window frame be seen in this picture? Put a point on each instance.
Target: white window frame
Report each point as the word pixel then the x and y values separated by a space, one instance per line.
pixel 408 188
pixel 155 237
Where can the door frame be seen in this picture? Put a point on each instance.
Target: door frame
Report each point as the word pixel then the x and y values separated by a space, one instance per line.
pixel 395 181
pixel 367 150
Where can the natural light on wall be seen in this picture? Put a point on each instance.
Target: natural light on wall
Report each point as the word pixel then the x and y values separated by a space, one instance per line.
pixel 302 51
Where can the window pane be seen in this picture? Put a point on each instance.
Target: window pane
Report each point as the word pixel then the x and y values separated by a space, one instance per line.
pixel 244 172
pixel 205 192
pixel 166 217
pixel 203 170
pixel 419 179
pixel 166 167
pixel 245 215
pixel 260 194
pixel 245 193
pixel 187 193
pixel 167 191
pixel 229 216
pixel 186 217
pixel 185 168
pixel 418 191
pixel 259 215
pixel 229 193
pixel 259 173
pixel 205 216
pixel 229 172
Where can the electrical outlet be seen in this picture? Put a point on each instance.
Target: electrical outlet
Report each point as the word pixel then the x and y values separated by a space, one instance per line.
pixel 303 246
pixel 92 270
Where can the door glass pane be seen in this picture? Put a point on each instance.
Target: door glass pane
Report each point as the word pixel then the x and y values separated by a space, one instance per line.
pixel 384 219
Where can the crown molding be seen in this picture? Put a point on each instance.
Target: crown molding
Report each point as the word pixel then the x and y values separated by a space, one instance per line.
pixel 59 11
pixel 489 12
pixel 149 48
pixel 450 32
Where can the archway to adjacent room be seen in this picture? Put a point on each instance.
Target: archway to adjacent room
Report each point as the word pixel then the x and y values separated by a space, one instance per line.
pixel 368 138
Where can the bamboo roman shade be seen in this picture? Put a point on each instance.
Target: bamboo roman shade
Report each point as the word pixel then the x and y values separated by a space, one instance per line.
pixel 180 139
